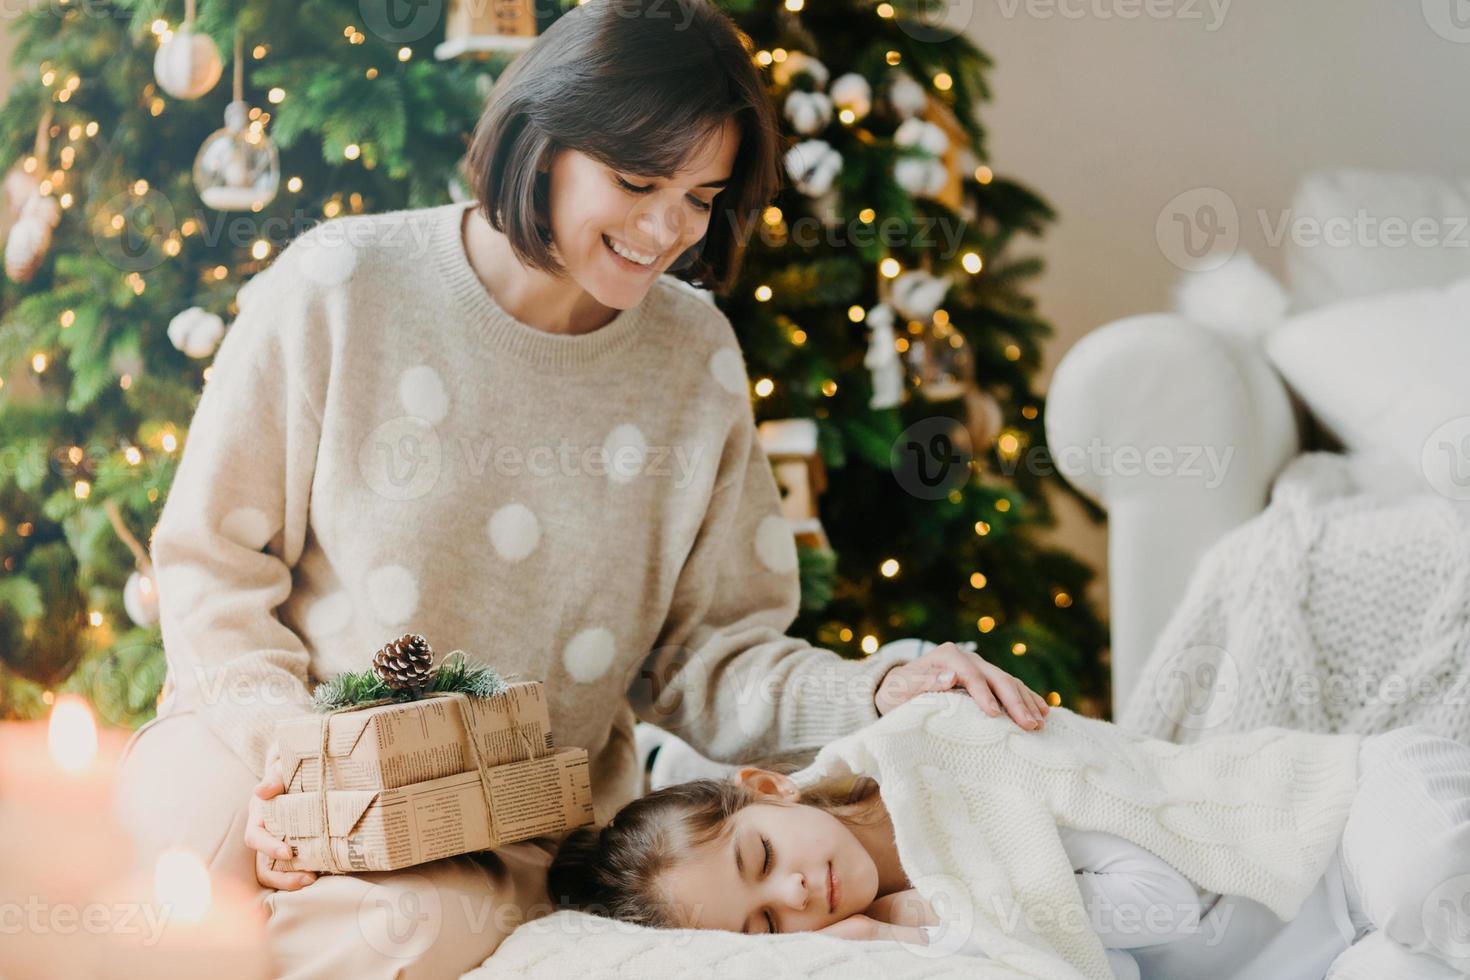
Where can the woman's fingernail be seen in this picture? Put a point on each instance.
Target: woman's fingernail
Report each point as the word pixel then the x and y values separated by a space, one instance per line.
pixel 947 677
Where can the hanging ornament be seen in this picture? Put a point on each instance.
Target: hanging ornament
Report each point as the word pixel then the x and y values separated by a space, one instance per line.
pixel 853 93
pixel 920 134
pixel 475 27
pixel 983 419
pixel 196 331
pixel 920 176
pixel 799 63
pixel 140 593
pixel 808 112
pixel 917 294
pixel 238 168
pixel 140 599
pixel 801 477
pixel 813 165
pixel 882 359
pixel 30 236
pixel 940 364
pixel 906 96
pixel 957 158
pixel 188 64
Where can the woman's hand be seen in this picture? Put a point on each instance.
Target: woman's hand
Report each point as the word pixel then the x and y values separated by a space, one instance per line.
pixel 266 847
pixel 947 666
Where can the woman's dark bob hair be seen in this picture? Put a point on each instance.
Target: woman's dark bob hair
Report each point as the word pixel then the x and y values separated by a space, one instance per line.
pixel 638 85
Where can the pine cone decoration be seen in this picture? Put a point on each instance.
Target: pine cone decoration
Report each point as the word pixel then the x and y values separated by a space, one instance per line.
pixel 406 663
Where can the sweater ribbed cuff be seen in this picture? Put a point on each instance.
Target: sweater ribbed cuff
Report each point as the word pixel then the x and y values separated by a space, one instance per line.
pixel 835 696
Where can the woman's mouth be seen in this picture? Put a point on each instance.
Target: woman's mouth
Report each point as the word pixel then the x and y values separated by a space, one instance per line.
pixel 832 895
pixel 626 262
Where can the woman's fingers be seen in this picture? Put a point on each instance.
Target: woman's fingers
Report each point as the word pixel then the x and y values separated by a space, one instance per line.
pixel 285 881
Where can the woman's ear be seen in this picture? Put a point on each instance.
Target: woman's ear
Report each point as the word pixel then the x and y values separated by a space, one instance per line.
pixel 765 783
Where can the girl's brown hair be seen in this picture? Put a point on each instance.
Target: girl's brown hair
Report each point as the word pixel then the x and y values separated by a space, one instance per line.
pixel 638 85
pixel 617 871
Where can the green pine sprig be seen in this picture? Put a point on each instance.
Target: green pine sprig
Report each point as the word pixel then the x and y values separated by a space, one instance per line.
pixel 454 673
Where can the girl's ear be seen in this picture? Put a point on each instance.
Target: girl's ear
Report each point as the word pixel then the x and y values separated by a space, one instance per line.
pixel 765 783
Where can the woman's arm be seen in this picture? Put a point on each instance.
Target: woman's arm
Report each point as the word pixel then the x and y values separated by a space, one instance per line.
pixel 723 674
pixel 1133 898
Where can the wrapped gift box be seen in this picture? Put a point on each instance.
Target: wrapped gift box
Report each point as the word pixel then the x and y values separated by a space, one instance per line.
pixel 387 829
pixel 393 745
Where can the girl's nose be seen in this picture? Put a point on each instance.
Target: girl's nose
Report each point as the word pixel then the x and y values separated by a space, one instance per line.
pixel 795 891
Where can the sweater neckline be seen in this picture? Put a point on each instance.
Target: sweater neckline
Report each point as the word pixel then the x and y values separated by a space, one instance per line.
pixel 506 333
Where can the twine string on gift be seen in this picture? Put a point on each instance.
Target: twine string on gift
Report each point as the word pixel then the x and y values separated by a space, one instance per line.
pixel 321 763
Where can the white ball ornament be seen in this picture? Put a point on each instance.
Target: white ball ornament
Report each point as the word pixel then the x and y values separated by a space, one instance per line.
pixel 196 331
pixel 238 167
pixel 188 64
pixel 852 92
pixel 813 165
pixel 907 96
pixel 30 239
pixel 808 112
pixel 20 187
pixel 140 599
pixel 919 176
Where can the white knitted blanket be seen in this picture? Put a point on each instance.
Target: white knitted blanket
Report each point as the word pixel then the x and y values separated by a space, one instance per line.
pixel 1343 607
pixel 976 804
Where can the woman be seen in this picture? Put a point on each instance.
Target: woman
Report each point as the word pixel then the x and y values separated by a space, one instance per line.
pixel 496 425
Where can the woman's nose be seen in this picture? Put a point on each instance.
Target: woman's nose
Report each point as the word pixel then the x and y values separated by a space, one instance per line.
pixel 660 227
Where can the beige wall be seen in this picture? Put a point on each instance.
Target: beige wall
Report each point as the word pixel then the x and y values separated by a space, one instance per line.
pixel 1111 118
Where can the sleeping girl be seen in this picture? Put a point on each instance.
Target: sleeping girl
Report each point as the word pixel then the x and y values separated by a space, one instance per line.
pixel 1082 850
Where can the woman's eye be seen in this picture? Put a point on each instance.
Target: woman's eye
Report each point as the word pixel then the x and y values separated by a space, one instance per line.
pixel 634 187
pixel 766 860
pixel 698 204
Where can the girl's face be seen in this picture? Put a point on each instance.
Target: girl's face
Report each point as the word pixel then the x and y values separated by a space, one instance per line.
pixel 594 206
pixel 775 868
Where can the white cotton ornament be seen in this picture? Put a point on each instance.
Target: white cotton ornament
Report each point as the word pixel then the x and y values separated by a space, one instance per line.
pixel 188 64
pixel 920 176
pixel 808 112
pixel 140 599
pixel 812 166
pixel 196 331
pixel 852 92
pixel 907 96
pixel 917 133
pixel 882 359
pixel 20 187
pixel 1239 297
pixel 917 294
pixel 798 63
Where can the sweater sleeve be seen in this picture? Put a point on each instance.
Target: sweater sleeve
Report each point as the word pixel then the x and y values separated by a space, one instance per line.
pixel 724 675
pixel 235 520
pixel 1133 898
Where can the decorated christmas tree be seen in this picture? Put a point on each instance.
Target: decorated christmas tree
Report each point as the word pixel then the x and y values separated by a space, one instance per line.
pixel 162 155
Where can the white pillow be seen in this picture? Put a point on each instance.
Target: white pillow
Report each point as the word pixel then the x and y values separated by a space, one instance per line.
pixel 1354 233
pixel 1389 376
pixel 575 944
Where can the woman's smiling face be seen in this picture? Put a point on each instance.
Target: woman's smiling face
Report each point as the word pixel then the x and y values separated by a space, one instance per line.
pixel 774 868
pixel 653 219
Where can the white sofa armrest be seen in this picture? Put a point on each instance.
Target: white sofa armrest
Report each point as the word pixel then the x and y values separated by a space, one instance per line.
pixel 1177 431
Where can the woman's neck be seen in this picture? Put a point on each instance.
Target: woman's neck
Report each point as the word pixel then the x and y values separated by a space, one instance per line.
pixel 533 297
pixel 870 823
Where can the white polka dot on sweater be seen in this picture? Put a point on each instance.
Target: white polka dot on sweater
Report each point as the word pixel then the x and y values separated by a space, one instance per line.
pixel 329 614
pixel 394 593
pixel 328 260
pixel 589 654
pixel 625 448
pixel 422 392
pixel 729 370
pixel 514 531
pixel 247 526
pixel 775 544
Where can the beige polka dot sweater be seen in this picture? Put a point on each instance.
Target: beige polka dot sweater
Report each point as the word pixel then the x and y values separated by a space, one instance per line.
pixel 381 448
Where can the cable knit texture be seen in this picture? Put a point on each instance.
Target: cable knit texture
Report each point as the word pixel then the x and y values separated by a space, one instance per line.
pixel 381 448
pixel 1343 606
pixel 976 804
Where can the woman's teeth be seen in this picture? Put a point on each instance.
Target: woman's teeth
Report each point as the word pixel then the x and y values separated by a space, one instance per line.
pixel 628 253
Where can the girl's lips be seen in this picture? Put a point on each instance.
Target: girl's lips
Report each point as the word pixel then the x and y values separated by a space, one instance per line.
pixel 628 264
pixel 831 888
